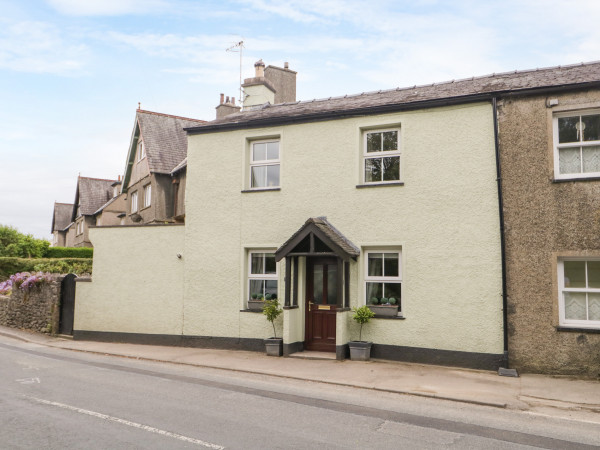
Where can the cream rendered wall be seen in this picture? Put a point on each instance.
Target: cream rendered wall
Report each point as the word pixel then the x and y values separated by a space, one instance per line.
pixel 137 282
pixel 444 217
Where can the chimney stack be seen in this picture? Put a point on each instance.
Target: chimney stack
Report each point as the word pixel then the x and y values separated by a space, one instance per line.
pixel 226 106
pixel 222 99
pixel 259 68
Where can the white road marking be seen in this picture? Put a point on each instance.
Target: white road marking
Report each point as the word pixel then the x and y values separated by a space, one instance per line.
pixel 35 380
pixel 129 423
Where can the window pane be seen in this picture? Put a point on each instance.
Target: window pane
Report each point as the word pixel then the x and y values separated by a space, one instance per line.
pixel 567 129
pixel 374 290
pixel 390 141
pixel 574 274
pixel 259 174
pixel 331 284
pixel 270 265
pixel 575 306
pixel 273 175
pixel 591 128
pixel 259 152
pixel 594 306
pixel 391 265
pixel 373 142
pixel 372 170
pixel 391 168
pixel 257 288
pixel 258 263
pixel 593 268
pixel 318 284
pixel 375 264
pixel 393 290
pixel 569 160
pixel 271 287
pixel 273 150
pixel 591 159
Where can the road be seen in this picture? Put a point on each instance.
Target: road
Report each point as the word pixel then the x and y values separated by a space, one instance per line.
pixel 55 399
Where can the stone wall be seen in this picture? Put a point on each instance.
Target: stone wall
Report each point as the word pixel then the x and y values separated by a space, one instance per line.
pixel 37 309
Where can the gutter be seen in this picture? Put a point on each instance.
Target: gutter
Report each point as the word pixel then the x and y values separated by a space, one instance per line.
pixel 505 361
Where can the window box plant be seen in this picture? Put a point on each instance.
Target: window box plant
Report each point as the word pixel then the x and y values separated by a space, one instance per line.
pixel 273 345
pixel 361 350
pixel 257 301
pixel 387 307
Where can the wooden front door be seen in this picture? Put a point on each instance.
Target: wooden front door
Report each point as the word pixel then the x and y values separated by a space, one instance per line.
pixel 321 300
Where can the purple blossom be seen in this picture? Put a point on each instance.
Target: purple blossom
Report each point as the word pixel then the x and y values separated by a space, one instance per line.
pixel 24 281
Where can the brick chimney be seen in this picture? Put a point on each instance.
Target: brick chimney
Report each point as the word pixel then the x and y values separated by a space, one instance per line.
pixel 227 106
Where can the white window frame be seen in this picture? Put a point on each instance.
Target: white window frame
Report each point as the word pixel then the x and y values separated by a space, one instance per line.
pixel 581 144
pixel 141 149
pixel 261 276
pixel 147 195
pixel 562 320
pixel 380 155
pixel 263 163
pixel 79 228
pixel 134 202
pixel 383 279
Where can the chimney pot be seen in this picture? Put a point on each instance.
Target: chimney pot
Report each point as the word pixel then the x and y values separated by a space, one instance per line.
pixel 222 99
pixel 259 67
pixel 233 100
pixel 286 65
pixel 227 99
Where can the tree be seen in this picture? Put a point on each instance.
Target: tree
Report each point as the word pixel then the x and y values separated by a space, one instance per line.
pixel 16 244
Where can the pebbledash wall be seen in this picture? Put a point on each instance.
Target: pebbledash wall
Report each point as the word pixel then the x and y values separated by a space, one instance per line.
pixel 37 309
pixel 137 286
pixel 444 218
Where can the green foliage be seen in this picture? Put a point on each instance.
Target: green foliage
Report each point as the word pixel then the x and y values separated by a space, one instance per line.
pixel 384 301
pixel 361 316
pixel 19 245
pixel 392 301
pixel 254 296
pixel 272 311
pixel 10 266
pixel 268 297
pixel 69 252
pixel 374 301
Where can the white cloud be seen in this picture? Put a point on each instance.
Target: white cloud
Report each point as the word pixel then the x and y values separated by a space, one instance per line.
pixel 106 7
pixel 39 47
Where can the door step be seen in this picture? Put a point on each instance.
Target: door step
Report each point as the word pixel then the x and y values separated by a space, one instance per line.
pixel 313 355
pixel 65 336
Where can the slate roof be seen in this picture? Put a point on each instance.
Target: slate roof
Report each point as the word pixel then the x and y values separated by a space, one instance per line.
pixel 501 83
pixel 332 233
pixel 164 139
pixel 182 165
pixel 61 216
pixel 91 194
pixel 99 210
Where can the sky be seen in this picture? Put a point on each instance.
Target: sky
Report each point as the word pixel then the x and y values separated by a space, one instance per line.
pixel 72 71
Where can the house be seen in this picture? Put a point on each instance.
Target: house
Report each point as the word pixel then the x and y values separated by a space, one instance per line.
pixel 155 172
pixel 549 142
pixel 61 219
pixel 93 198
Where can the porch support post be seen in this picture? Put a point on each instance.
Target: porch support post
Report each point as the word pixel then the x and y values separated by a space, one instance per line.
pixel 288 281
pixel 295 286
pixel 340 283
pixel 346 284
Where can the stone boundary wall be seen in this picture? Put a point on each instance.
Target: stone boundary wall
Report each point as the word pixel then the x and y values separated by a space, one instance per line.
pixel 37 309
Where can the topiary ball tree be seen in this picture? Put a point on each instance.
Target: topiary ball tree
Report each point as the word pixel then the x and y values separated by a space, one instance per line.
pixel 272 311
pixel 361 316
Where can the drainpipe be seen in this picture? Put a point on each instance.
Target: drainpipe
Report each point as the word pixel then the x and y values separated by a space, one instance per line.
pixel 502 240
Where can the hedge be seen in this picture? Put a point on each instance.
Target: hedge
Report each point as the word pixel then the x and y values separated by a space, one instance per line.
pixel 69 252
pixel 10 266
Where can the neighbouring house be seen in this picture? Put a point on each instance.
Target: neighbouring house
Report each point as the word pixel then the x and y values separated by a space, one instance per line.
pixel 155 172
pixel 61 219
pixel 93 198
pixel 335 203
pixel 550 156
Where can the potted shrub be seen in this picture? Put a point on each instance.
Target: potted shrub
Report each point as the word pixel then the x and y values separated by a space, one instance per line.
pixel 256 302
pixel 387 307
pixel 272 310
pixel 361 350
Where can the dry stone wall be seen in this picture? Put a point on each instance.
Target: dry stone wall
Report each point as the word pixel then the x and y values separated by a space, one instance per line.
pixel 37 309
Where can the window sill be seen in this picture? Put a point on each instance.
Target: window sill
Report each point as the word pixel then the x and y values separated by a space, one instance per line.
pixel 578 330
pixel 255 311
pixel 291 307
pixel 145 207
pixel 261 190
pixel 398 183
pixel 570 180
pixel 389 317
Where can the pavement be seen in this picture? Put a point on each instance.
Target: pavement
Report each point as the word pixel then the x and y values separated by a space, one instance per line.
pixel 566 397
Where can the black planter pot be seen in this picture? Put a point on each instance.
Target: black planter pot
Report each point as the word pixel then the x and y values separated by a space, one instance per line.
pixel 274 346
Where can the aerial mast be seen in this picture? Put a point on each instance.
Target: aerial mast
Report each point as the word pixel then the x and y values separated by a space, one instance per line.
pixel 238 47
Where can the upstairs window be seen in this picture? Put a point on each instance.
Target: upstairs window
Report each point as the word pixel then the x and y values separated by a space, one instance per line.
pixel 134 202
pixel 579 293
pixel 577 145
pixel 381 156
pixel 147 195
pixel 264 164
pixel 141 149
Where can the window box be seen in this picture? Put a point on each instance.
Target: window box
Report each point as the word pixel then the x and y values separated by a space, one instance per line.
pixel 255 304
pixel 384 310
